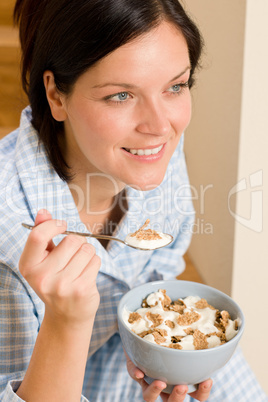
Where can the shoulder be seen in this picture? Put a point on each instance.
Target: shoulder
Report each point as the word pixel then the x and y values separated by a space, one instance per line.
pixel 10 188
pixel 7 153
pixel 13 205
pixel 12 236
pixel 9 181
pixel 8 144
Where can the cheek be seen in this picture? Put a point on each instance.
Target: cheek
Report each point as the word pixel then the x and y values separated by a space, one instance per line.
pixel 182 117
pixel 105 124
pixel 185 113
pixel 90 126
pixel 188 116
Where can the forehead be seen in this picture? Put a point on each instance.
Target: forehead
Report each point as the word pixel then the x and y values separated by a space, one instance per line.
pixel 163 50
pixel 165 38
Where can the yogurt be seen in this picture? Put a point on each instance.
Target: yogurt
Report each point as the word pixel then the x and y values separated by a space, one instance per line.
pixel 150 244
pixel 148 239
pixel 187 324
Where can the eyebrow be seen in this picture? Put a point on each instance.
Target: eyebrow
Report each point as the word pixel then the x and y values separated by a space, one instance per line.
pixel 126 85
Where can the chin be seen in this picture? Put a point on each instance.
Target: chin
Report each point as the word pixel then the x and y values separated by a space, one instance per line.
pixel 146 183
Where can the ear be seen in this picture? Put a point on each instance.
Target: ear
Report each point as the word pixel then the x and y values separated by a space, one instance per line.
pixel 55 99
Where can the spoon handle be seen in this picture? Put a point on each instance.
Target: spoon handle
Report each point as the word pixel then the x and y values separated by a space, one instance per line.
pixel 67 232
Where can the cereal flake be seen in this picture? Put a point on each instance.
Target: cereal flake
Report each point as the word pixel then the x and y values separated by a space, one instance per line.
pixel 202 303
pixel 200 340
pixel 134 317
pixel 188 318
pixel 146 234
pixel 155 318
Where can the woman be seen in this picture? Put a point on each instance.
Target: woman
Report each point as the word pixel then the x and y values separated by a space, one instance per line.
pixel 100 147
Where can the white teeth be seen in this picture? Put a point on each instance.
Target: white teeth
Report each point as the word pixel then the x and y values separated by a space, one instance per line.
pixel 147 152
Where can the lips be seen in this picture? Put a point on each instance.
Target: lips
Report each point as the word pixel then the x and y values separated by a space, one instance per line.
pixel 146 151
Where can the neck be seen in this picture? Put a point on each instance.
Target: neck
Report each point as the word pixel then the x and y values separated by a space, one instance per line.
pixel 95 192
pixel 100 202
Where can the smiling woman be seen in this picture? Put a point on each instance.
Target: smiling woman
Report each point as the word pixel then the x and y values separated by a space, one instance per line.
pixel 113 24
pixel 101 147
pixel 143 122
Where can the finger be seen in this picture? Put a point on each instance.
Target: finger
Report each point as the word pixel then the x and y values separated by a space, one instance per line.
pixel 62 255
pixel 42 216
pixel 202 393
pixel 83 264
pixel 133 371
pixel 152 392
pixel 178 393
pixel 90 272
pixel 39 239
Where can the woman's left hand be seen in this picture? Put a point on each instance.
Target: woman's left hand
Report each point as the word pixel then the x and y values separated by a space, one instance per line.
pixel 153 391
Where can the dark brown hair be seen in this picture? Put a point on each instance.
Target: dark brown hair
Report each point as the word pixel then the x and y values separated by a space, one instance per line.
pixel 68 37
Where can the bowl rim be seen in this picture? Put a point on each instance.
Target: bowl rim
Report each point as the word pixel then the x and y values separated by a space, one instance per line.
pixel 228 344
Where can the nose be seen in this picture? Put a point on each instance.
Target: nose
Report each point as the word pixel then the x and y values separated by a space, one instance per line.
pixel 153 119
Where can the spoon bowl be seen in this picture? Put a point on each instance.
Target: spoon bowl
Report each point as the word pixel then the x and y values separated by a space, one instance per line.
pixel 105 237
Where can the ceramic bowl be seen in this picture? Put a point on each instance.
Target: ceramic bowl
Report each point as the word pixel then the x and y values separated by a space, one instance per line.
pixel 175 366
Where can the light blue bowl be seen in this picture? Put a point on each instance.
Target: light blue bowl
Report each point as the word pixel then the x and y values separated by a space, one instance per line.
pixel 175 366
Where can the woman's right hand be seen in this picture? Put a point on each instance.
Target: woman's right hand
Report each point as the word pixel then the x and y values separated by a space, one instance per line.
pixel 63 276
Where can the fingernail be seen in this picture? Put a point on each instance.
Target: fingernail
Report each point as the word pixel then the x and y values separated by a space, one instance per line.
pixel 61 223
pixel 161 387
pixel 87 248
pixel 42 212
pixel 208 385
pixel 181 391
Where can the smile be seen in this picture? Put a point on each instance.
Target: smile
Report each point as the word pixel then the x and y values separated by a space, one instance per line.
pixel 142 152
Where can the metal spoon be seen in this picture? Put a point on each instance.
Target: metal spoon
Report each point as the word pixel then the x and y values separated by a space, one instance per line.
pixel 104 237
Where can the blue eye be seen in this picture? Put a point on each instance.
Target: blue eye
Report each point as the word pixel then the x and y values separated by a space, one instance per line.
pixel 120 97
pixel 176 88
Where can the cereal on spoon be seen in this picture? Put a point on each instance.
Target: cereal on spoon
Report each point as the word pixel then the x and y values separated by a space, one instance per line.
pixel 147 238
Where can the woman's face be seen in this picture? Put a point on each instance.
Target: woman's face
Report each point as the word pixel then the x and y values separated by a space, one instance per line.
pixel 125 115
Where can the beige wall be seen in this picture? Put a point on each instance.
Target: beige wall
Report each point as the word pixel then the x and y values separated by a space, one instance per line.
pixel 250 267
pixel 213 136
pixel 226 150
